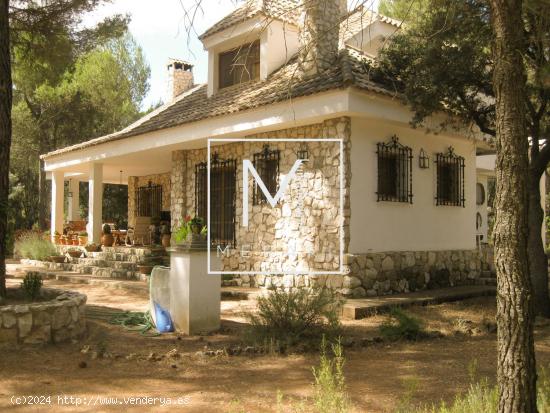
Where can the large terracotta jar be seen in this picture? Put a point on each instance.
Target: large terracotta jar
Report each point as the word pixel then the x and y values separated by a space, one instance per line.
pixel 107 239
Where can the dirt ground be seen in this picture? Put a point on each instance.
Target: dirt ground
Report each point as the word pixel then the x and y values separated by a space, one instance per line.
pixel 379 376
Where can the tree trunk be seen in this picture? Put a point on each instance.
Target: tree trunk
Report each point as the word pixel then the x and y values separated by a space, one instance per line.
pixel 538 262
pixel 516 374
pixel 5 135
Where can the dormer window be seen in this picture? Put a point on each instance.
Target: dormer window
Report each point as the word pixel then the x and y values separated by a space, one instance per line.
pixel 239 65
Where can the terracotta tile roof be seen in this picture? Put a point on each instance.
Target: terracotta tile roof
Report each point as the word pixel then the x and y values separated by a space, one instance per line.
pixel 353 69
pixel 286 10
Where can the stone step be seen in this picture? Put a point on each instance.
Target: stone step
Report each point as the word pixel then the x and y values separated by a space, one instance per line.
pixel 109 272
pixel 357 308
pixel 486 281
pixel 140 284
pixel 488 274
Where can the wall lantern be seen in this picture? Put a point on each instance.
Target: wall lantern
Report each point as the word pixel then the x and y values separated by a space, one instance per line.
pixel 423 160
pixel 70 193
pixel 303 153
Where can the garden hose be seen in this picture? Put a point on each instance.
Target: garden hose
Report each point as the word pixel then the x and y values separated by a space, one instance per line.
pixel 136 321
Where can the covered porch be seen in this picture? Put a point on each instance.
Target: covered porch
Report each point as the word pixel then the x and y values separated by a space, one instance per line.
pixel 146 173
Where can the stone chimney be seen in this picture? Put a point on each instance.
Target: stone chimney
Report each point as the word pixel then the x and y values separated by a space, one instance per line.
pixel 319 34
pixel 180 78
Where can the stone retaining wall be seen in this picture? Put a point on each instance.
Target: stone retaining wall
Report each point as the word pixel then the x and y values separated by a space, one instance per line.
pixel 384 273
pixel 60 319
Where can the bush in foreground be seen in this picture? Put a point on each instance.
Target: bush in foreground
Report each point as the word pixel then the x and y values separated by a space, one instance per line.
pixel 34 246
pixel 483 398
pixel 290 317
pixel 329 387
pixel 401 326
pixel 32 285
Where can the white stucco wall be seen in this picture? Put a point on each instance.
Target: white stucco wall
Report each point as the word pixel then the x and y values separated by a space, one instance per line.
pixel 482 179
pixel 278 43
pixel 393 226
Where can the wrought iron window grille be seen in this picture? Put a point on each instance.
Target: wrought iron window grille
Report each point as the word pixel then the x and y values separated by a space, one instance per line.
pixel 450 179
pixel 223 178
pixel 149 200
pixel 394 171
pixel 266 164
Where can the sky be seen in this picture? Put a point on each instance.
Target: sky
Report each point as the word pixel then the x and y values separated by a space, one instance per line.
pixel 159 28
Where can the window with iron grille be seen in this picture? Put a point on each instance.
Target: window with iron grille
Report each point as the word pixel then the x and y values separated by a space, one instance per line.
pixel 266 164
pixel 222 198
pixel 394 171
pixel 149 201
pixel 239 65
pixel 450 179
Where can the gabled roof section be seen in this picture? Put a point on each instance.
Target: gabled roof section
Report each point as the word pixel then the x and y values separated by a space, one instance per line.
pixel 359 19
pixel 285 10
pixel 353 69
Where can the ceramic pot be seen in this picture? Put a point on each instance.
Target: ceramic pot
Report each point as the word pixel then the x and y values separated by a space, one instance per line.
pixel 58 259
pixel 145 269
pixel 166 240
pixel 108 240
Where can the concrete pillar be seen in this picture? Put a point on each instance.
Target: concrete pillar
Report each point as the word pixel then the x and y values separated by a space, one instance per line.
pixel 194 294
pixel 95 202
pixel 73 210
pixel 57 202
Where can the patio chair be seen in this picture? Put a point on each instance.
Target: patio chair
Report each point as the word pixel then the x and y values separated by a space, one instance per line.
pixel 141 233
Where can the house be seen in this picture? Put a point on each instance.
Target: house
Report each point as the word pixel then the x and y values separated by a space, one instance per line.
pixel 374 206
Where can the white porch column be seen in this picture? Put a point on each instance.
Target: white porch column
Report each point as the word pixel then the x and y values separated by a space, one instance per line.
pixel 95 202
pixel 57 203
pixel 73 210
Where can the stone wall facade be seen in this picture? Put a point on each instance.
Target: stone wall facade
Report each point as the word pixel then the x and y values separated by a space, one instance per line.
pixel 60 319
pixel 308 221
pixel 384 273
pixel 135 182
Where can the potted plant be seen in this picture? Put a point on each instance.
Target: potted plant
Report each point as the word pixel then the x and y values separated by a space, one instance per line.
pixel 166 235
pixel 74 252
pixel 145 269
pixel 183 230
pixel 74 240
pixel 56 237
pixel 196 224
pixel 91 248
pixel 107 239
pixel 58 259
pixel 63 240
pixel 82 238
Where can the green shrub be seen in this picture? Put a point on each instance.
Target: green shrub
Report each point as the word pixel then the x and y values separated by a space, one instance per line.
pixel 483 398
pixel 34 246
pixel 329 388
pixel 401 326
pixel 293 316
pixel 31 285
